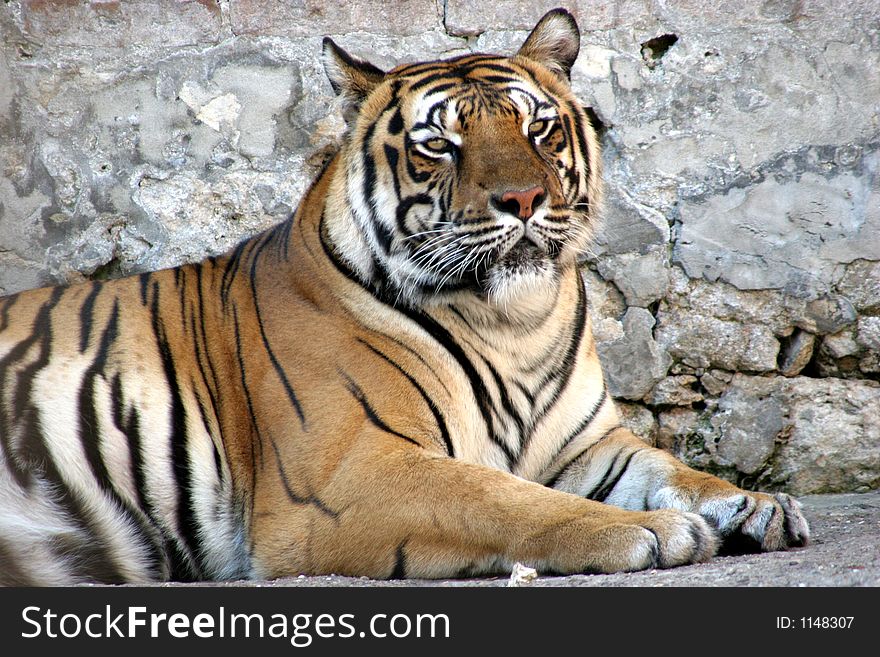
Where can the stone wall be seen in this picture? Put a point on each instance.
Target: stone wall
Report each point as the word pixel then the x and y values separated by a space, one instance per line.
pixel 736 283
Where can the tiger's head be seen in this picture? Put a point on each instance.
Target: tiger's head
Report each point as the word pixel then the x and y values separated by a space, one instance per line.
pixel 473 175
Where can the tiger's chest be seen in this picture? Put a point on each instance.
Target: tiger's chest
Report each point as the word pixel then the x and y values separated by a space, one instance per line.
pixel 511 395
pixel 519 403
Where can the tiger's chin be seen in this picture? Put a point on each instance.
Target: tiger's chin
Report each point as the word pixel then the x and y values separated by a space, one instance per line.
pixel 524 278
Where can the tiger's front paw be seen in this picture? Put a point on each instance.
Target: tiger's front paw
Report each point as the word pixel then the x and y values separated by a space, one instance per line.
pixel 638 540
pixel 753 522
pixel 680 538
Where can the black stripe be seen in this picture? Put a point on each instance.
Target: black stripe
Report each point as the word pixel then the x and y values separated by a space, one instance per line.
pixel 422 125
pixel 201 337
pixel 143 283
pixel 506 402
pixel 392 157
pixel 418 68
pixel 83 556
pixel 580 321
pixel 524 70
pixel 282 235
pixel 481 232
pixel 420 358
pixel 525 392
pixel 348 273
pixel 501 79
pixel 440 88
pixel 579 118
pixel 551 483
pixel 399 571
pixel 588 418
pixel 291 494
pixel 395 124
pixel 323 508
pixel 602 493
pixel 212 399
pixel 86 316
pixel 383 234
pixel 304 238
pixel 187 525
pixel 24 414
pixel 454 76
pixel 8 302
pixel 257 440
pixel 130 427
pixel 465 321
pixel 456 70
pixel 561 374
pixel 230 270
pixel 375 286
pixel 279 370
pixel 441 335
pixel 577 132
pixel 206 425
pixel 180 282
pixel 200 349
pixel 438 417
pixel 369 411
pixel 90 439
pixel 405 206
pixel 491 64
pixel 447 64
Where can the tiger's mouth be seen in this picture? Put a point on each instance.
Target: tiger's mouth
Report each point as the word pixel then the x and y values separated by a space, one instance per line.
pixel 525 268
pixel 523 260
pixel 524 256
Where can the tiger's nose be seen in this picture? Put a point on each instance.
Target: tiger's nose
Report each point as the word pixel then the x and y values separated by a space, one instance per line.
pixel 520 203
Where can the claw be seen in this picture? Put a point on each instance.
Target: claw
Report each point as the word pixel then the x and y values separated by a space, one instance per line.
pixel 756 522
pixel 797 531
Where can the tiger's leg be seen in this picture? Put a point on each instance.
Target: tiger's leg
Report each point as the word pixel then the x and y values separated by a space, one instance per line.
pixel 621 470
pixel 406 512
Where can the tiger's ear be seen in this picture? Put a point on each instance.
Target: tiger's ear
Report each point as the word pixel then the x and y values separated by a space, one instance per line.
pixel 554 42
pixel 351 78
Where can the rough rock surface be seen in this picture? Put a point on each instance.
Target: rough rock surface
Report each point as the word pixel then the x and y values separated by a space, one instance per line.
pixel 799 434
pixel 735 284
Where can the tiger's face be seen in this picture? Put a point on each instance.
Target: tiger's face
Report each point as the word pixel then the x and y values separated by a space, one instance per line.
pixel 478 174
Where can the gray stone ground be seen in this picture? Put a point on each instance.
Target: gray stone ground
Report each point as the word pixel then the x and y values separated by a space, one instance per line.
pixel 845 551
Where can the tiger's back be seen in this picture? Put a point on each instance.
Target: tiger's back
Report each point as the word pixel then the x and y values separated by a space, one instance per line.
pixel 112 467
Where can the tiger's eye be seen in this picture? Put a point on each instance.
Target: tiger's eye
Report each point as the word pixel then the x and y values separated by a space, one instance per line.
pixel 539 128
pixel 438 145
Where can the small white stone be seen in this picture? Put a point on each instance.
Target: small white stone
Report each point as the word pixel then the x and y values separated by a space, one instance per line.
pixel 521 574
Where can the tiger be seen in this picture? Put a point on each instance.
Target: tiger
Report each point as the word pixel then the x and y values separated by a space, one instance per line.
pixel 398 381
